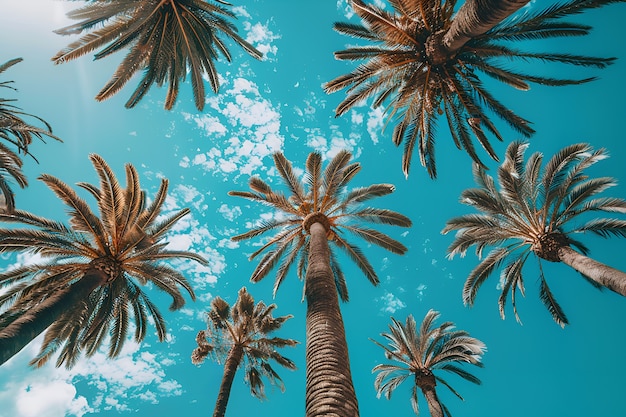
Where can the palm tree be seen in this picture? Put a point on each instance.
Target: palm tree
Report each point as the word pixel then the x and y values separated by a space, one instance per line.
pixel 85 285
pixel 425 61
pixel 166 39
pixel 241 335
pixel 532 213
pixel 313 217
pixel 422 353
pixel 17 132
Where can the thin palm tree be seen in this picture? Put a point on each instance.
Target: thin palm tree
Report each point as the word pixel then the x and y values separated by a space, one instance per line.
pixel 533 212
pixel 422 353
pixel 166 40
pixel 315 216
pixel 18 133
pixel 85 285
pixel 241 335
pixel 423 61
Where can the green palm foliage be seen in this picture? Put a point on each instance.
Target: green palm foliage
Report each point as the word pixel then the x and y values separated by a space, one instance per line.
pixel 407 68
pixel 320 198
pixel 421 353
pixel 166 40
pixel 534 212
pixel 85 285
pixel 241 334
pixel 19 134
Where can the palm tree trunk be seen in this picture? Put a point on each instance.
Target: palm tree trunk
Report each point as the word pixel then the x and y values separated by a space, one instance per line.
pixel 434 406
pixel 602 274
pixel 23 330
pixel 476 17
pixel 230 368
pixel 329 387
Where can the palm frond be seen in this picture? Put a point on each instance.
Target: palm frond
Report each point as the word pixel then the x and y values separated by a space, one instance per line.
pixel 547 298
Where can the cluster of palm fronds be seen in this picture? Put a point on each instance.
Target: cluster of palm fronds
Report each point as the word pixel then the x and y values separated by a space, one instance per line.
pixel 84 289
pixel 424 61
pixel 242 335
pixel 18 134
pixel 322 196
pixel 410 68
pixel 166 40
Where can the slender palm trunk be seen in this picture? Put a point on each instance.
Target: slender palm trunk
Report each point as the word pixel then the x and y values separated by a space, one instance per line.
pixel 230 368
pixel 476 17
pixel 434 406
pixel 426 382
pixel 23 330
pixel 329 388
pixel 602 274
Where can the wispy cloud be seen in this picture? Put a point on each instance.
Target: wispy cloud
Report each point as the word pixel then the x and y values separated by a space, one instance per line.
pixel 190 234
pixel 390 303
pixel 330 145
pixel 243 130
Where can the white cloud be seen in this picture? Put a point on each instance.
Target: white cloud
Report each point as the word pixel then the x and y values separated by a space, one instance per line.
pixel 420 291
pixel 49 399
pixel 330 148
pixel 229 213
pixel 390 303
pixel 52 392
pixel 253 131
pixel 375 122
pixel 345 7
pixel 262 38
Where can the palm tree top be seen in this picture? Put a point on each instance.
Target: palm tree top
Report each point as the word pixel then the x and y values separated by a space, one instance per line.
pixel 534 210
pixel 407 68
pixel 321 198
pixel 167 39
pixel 420 352
pixel 247 326
pixel 125 242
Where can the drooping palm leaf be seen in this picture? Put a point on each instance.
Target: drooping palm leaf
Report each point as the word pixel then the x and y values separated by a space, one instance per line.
pixel 166 39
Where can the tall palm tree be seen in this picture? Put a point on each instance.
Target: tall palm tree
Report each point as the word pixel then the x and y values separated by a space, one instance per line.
pixel 421 353
pixel 532 212
pixel 166 39
pixel 314 217
pixel 86 283
pixel 241 335
pixel 17 132
pixel 423 61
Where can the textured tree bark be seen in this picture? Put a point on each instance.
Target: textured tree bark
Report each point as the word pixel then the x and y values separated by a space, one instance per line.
pixel 23 330
pixel 230 368
pixel 434 406
pixel 329 387
pixel 604 275
pixel 476 17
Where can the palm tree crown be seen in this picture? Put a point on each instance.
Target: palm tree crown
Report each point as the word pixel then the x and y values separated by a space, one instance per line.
pixel 533 212
pixel 166 39
pixel 112 255
pixel 17 132
pixel 406 69
pixel 322 201
pixel 245 327
pixel 421 353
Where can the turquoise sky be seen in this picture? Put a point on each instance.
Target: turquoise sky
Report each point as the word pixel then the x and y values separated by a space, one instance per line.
pixel 534 369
